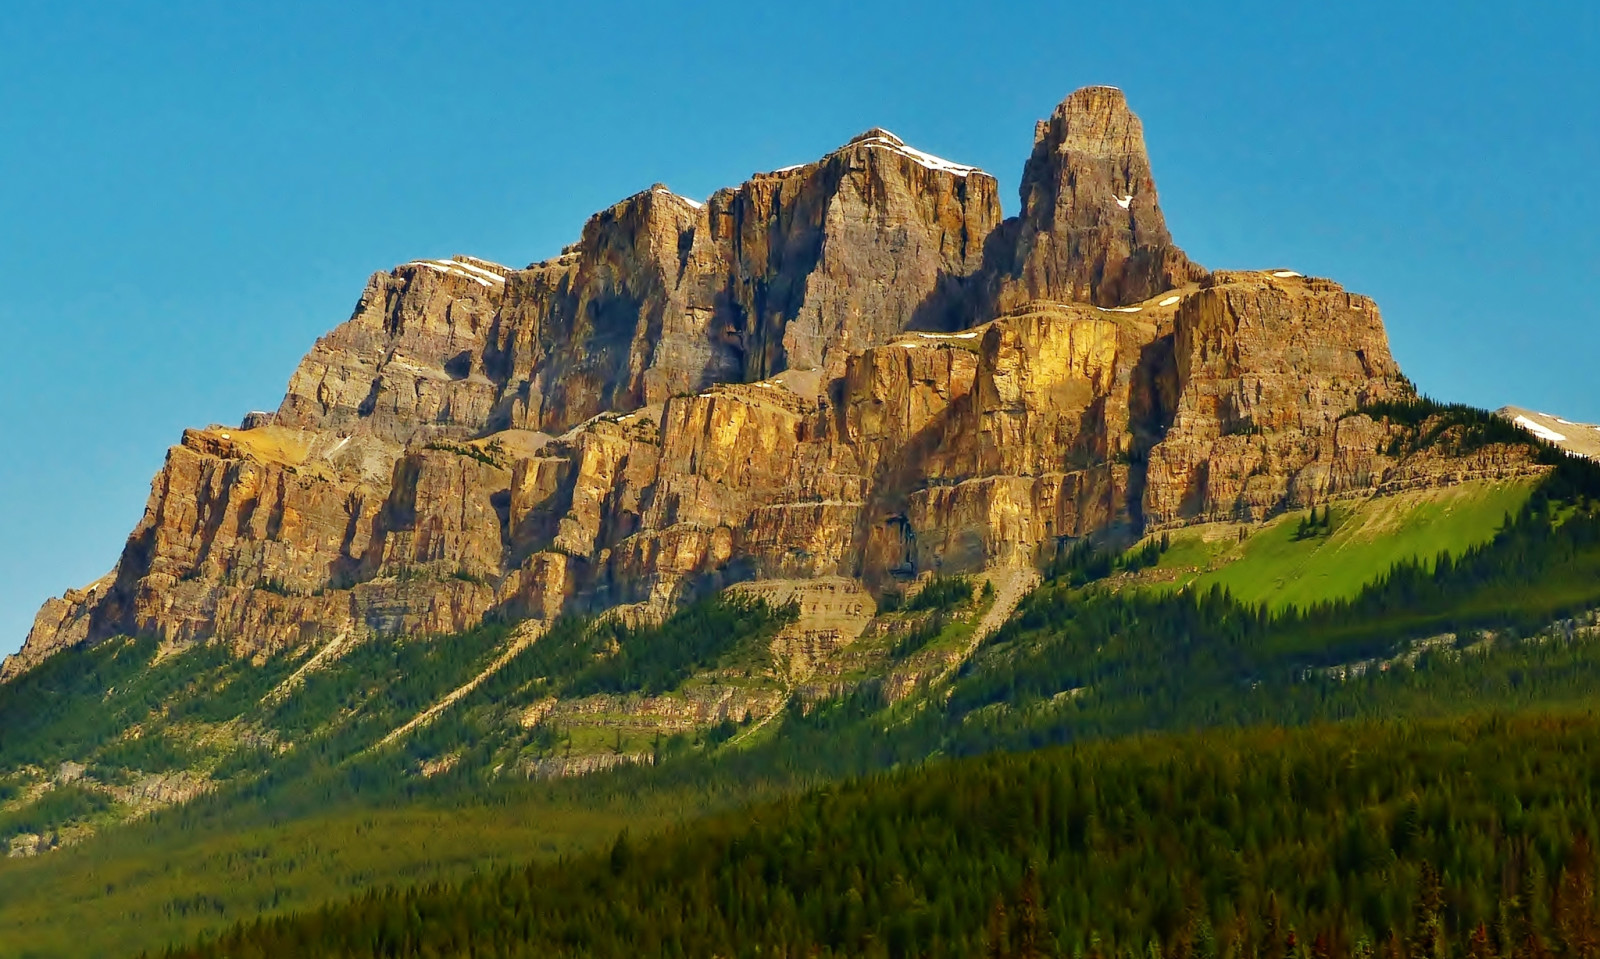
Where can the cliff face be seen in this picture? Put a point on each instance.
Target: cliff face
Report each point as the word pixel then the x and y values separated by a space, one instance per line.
pixel 662 295
pixel 849 369
pixel 1091 227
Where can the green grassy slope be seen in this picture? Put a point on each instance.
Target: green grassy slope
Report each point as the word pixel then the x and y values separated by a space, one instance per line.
pixel 1367 537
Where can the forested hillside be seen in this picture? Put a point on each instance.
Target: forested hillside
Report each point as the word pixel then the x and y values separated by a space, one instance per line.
pixel 318 805
pixel 1400 839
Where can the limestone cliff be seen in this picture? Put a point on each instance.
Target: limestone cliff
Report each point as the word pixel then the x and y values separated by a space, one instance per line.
pixel 848 371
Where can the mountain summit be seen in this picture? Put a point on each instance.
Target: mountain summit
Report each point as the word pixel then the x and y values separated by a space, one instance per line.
pixel 830 379
pixel 1091 227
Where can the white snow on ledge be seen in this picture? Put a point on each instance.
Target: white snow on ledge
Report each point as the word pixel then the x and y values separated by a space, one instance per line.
pixel 466 271
pixel 1169 301
pixel 694 203
pixel 1543 432
pixel 1119 309
pixel 949 336
pixel 926 159
pixel 1125 201
pixel 489 275
pixel 1281 274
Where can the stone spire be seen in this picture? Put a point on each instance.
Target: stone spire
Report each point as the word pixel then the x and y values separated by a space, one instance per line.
pixel 1091 229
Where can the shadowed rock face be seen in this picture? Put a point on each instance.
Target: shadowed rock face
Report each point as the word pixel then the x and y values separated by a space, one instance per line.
pixel 849 370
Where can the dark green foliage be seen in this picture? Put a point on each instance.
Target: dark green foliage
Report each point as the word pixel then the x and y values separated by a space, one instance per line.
pixel 1315 525
pixel 654 659
pixel 1256 843
pixel 467 450
pixel 922 632
pixel 576 658
pixel 56 808
pixel 382 683
pixel 43 712
pixel 1145 556
pixel 941 593
pixel 1080 565
pixel 722 732
pixel 1456 428
pixel 151 753
pixel 1087 562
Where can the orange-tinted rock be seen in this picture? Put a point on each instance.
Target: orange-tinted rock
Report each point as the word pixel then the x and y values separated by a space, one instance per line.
pixel 841 372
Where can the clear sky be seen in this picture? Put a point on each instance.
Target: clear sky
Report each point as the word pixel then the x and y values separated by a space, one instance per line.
pixel 191 193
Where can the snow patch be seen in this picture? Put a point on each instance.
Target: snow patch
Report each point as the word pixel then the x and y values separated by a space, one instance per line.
pixel 1281 274
pixel 489 275
pixel 1119 309
pixel 1125 201
pixel 452 268
pixel 1169 301
pixel 789 169
pixel 694 203
pixel 949 336
pixel 1543 432
pixel 926 159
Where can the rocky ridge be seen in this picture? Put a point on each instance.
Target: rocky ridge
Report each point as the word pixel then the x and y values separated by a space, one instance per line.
pixel 1575 439
pixel 848 371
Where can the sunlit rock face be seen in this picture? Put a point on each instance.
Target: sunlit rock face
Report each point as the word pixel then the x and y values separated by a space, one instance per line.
pixel 848 371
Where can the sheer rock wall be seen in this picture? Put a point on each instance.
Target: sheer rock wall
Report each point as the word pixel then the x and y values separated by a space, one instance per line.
pixel 850 370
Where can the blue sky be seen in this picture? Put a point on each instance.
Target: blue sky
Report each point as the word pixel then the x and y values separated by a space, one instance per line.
pixel 190 195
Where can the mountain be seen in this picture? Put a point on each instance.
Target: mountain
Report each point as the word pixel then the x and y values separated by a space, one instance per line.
pixel 1578 439
pixel 833 472
pixel 840 376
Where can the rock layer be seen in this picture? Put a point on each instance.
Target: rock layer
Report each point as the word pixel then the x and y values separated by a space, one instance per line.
pixel 849 372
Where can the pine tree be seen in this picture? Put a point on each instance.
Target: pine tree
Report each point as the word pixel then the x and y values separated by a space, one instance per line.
pixel 1574 906
pixel 997 943
pixel 1029 918
pixel 1272 929
pixel 1428 938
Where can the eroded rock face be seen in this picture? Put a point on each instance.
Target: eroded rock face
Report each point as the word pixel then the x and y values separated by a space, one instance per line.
pixel 1091 227
pixel 844 373
pixel 1266 367
pixel 662 295
pixel 409 364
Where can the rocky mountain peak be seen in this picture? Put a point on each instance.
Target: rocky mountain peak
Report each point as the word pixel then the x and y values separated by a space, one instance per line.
pixel 1572 438
pixel 876 133
pixel 849 368
pixel 1094 121
pixel 1091 228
